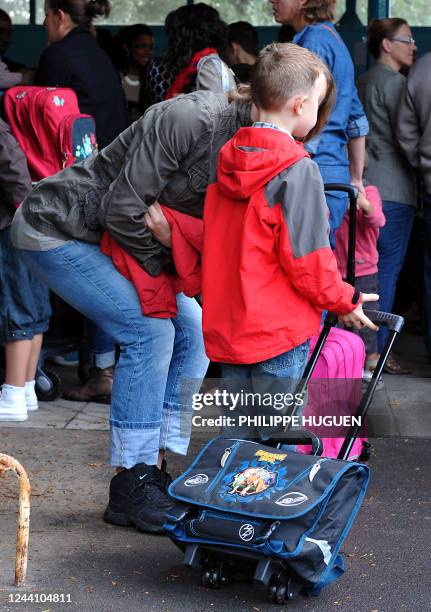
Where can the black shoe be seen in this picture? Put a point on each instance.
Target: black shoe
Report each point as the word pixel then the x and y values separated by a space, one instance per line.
pixel 138 497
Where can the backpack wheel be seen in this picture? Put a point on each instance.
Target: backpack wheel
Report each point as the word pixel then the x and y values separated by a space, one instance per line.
pixel 293 589
pixel 206 578
pixel 48 385
pixel 281 594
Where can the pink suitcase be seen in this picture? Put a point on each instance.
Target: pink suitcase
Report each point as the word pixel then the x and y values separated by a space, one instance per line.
pixel 342 357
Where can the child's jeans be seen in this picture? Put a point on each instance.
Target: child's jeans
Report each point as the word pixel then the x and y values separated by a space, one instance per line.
pixel 272 384
pixel 24 301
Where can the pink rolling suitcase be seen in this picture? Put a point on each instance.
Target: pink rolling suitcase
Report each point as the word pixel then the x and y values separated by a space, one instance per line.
pixel 342 357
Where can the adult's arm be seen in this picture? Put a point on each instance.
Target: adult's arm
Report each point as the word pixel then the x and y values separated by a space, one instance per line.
pixel 408 128
pixel 161 141
pixel 357 129
pixel 356 150
pixel 15 178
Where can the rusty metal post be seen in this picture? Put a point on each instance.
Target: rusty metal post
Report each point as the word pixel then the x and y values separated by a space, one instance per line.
pixel 9 463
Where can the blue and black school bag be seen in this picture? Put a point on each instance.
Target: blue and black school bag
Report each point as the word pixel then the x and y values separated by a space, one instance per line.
pixel 254 499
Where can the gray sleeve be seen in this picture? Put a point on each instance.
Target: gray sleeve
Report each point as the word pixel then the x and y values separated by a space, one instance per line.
pixel 299 190
pixel 210 77
pixel 162 139
pixel 407 128
pixel 14 175
pixel 393 92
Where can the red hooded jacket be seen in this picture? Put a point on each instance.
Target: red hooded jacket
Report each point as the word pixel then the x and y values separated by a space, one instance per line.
pixel 268 270
pixel 157 295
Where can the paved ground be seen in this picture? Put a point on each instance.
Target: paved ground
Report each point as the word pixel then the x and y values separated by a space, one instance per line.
pixel 103 568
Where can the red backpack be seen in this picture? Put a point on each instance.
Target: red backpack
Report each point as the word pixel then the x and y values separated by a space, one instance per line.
pixel 51 131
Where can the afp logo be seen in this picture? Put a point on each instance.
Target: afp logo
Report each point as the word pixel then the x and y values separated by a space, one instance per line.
pixel 246 532
pixel 198 479
pixel 292 499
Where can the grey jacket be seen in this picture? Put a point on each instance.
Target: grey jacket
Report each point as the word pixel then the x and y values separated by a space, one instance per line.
pixel 414 118
pixel 15 182
pixel 380 90
pixel 167 155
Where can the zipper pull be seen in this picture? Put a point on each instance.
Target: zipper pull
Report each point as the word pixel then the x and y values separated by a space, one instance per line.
pixel 225 455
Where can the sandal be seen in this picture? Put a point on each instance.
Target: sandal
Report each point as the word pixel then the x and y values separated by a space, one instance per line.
pixel 393 367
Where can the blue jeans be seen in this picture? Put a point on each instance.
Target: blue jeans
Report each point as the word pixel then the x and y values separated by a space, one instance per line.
pixel 101 346
pixel 156 355
pixel 337 201
pixel 278 375
pixel 392 246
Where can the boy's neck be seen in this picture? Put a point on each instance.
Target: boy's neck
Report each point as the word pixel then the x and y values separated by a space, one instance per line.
pixel 278 119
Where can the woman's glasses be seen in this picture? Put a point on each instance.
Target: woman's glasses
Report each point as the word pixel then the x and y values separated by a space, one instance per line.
pixel 406 40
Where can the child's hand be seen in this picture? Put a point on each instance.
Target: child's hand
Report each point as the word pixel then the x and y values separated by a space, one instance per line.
pixel 364 204
pixel 357 318
pixel 158 225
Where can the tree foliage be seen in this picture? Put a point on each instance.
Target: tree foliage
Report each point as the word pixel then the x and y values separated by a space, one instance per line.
pixel 258 12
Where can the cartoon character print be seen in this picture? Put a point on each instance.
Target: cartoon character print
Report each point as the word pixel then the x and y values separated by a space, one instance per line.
pixel 86 148
pixel 252 480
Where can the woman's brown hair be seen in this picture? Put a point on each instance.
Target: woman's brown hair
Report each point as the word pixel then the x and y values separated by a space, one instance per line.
pixel 82 12
pixel 379 29
pixel 315 11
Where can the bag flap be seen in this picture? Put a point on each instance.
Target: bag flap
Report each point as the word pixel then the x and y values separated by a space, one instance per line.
pixel 244 477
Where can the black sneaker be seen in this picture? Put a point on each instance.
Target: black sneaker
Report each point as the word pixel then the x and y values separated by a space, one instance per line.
pixel 138 497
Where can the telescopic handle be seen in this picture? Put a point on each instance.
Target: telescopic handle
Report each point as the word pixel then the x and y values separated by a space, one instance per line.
pixel 394 322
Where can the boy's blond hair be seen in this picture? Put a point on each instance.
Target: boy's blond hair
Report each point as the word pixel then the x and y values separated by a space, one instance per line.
pixel 283 70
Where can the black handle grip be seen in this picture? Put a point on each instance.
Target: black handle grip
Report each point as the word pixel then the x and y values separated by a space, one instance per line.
pixel 394 322
pixel 351 191
pixel 296 436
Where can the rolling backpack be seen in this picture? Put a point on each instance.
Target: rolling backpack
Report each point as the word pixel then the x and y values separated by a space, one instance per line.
pixel 342 359
pixel 254 510
pixel 49 127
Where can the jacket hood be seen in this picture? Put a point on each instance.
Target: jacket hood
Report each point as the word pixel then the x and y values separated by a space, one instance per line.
pixel 252 158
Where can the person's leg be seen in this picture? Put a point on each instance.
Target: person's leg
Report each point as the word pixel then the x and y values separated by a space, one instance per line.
pixel 24 315
pixel 17 359
pixel 279 377
pixel 392 246
pixel 187 369
pixel 101 346
pixel 101 353
pixel 85 278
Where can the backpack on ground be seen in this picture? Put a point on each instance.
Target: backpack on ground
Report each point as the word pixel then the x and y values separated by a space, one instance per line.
pixel 49 127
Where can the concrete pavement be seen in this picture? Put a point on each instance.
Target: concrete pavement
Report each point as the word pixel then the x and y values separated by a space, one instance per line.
pixel 105 568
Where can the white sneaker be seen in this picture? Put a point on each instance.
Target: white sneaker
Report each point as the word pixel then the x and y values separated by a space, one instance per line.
pixel 12 406
pixel 366 379
pixel 31 397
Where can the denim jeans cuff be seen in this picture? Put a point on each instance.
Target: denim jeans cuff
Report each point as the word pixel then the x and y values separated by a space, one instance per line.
pixel 132 446
pixel 102 360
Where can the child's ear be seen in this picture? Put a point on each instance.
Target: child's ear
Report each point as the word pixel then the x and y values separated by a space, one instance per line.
pixel 298 104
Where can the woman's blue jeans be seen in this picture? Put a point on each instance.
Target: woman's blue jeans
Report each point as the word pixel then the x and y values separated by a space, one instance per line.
pixel 157 356
pixel 392 246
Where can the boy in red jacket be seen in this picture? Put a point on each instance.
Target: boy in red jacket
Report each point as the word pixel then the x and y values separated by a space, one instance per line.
pixel 268 269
